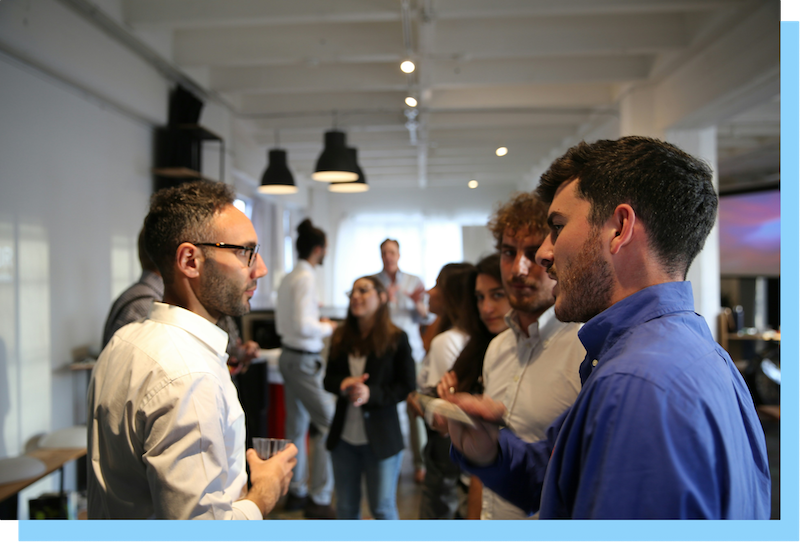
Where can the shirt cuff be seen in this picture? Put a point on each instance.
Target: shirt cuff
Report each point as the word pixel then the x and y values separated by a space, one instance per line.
pixel 246 509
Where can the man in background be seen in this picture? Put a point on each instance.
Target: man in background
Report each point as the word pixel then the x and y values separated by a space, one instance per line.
pixel 408 310
pixel 166 437
pixel 134 303
pixel 308 405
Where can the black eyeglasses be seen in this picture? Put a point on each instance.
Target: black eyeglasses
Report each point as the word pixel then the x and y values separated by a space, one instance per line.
pixel 248 252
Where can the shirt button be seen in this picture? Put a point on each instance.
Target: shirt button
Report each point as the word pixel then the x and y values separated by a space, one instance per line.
pixel 594 363
pixel 516 378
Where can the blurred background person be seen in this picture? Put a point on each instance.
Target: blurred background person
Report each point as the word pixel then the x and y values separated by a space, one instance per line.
pixel 371 369
pixel 449 300
pixel 134 303
pixel 408 311
pixel 308 405
pixel 490 302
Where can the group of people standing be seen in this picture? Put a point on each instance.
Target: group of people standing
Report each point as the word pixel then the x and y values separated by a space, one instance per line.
pixel 531 367
pixel 593 389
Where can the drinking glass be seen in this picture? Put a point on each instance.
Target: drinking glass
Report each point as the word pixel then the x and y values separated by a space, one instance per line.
pixel 267 447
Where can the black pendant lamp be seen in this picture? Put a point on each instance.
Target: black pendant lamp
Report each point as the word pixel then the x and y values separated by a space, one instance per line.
pixel 335 164
pixel 359 185
pixel 277 179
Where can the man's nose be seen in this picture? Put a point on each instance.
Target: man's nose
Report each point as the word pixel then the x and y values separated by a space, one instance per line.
pixel 260 268
pixel 522 265
pixel 544 256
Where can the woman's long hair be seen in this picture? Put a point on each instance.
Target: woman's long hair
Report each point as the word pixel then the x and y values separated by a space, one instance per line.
pixel 469 364
pixel 383 337
pixel 451 292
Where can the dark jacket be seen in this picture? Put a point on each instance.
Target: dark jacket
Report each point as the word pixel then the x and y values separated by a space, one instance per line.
pixel 391 379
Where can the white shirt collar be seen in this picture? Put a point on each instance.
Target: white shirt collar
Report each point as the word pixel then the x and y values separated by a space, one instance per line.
pixel 191 322
pixel 305 265
pixel 546 325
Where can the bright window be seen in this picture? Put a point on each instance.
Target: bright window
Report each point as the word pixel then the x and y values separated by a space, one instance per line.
pixel 425 246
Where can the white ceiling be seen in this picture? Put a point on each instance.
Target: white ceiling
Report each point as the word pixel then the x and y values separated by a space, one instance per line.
pixel 527 74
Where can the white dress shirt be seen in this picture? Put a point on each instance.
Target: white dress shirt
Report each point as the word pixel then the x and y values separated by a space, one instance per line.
pixel 445 348
pixel 167 434
pixel 536 378
pixel 297 312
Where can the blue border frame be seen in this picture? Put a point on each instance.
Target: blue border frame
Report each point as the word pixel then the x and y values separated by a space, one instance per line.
pixel 785 529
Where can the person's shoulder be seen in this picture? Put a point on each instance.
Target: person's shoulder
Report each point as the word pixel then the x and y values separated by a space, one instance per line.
pixel 448 340
pixel 502 347
pixel 503 341
pixel 172 349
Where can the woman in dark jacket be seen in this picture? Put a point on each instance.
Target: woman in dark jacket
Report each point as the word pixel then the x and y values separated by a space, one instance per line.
pixel 371 369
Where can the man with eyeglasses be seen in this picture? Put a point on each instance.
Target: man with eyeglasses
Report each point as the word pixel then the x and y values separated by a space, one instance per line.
pixel 167 433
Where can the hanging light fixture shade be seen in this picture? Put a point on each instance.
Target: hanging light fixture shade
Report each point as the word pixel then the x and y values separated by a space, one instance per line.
pixel 359 185
pixel 335 164
pixel 277 179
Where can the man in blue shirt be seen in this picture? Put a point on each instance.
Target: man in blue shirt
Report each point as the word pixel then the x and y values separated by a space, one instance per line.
pixel 664 426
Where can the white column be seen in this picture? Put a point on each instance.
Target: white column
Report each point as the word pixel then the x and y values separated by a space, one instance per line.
pixel 704 271
pixel 637 112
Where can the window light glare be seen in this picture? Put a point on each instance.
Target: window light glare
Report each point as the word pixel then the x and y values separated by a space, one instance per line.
pixel 473 184
pixel 501 151
pixel 411 101
pixel 407 66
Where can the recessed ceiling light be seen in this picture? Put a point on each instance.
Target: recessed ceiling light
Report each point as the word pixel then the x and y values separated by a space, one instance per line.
pixel 411 101
pixel 501 151
pixel 407 66
pixel 473 184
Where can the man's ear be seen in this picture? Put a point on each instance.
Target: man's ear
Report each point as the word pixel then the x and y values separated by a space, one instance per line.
pixel 189 259
pixel 623 225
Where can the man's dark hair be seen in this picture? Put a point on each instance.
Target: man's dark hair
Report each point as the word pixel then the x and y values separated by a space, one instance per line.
pixel 182 214
pixel 144 260
pixel 525 211
pixel 308 238
pixel 391 241
pixel 670 191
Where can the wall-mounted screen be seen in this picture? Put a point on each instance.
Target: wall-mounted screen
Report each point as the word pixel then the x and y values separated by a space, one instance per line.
pixel 750 234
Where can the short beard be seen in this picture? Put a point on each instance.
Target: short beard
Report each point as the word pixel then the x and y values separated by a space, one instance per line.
pixel 539 302
pixel 585 283
pixel 220 293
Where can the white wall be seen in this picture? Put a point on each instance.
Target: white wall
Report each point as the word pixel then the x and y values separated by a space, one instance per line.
pixel 74 185
pixel 464 206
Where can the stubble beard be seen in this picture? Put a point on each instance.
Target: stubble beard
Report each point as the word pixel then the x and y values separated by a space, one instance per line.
pixel 221 293
pixel 585 284
pixel 540 299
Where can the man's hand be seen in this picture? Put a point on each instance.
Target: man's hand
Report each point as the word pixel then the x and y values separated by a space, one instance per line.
pixel 417 294
pixel 418 297
pixel 330 322
pixel 479 443
pixel 357 392
pixel 247 353
pixel 270 478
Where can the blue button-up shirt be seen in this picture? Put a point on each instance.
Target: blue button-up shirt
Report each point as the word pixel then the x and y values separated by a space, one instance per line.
pixel 664 426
